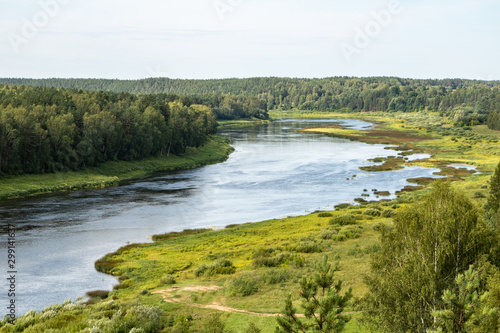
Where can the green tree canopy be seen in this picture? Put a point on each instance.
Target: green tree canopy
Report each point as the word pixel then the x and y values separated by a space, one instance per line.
pixel 431 243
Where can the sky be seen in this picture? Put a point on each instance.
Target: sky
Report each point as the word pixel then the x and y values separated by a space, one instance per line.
pixel 203 39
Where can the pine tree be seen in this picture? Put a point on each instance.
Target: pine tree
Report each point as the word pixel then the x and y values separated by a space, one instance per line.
pixel 494 198
pixel 322 303
pixel 464 305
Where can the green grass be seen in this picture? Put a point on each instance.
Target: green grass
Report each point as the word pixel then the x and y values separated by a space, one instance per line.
pixel 145 265
pixel 297 240
pixel 241 122
pixel 113 173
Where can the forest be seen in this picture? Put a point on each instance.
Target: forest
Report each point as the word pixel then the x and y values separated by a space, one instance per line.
pixel 46 130
pixel 469 102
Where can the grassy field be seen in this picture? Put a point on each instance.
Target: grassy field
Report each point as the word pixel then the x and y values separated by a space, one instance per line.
pixel 113 173
pixel 244 272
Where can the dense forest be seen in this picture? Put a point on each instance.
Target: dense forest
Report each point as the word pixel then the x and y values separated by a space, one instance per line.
pixel 48 129
pixel 468 102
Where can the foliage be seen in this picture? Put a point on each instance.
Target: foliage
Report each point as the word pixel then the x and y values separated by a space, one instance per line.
pixel 275 276
pixel 53 130
pixel 168 279
pixel 388 213
pixel 344 219
pixel 274 258
pixel 494 197
pixel 371 212
pixel 245 285
pixel 221 266
pixel 468 101
pixel 106 316
pixel 322 303
pixel 432 241
pixel 464 306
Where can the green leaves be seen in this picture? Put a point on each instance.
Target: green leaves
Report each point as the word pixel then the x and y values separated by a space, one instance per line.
pixel 464 307
pixel 321 301
pixel 431 243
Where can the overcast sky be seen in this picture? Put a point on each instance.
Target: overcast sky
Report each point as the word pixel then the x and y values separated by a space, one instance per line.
pixel 203 39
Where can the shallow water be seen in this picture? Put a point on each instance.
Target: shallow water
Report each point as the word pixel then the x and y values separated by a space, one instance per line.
pixel 275 171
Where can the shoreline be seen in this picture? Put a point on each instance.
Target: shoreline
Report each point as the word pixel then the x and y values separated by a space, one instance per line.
pixel 108 174
pixel 135 282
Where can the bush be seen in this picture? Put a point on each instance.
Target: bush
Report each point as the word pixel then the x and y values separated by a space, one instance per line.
pixel 308 247
pixel 269 258
pixel 342 206
pixel 168 279
pixel 328 233
pixel 243 286
pixel 221 266
pixel 479 195
pixel 102 294
pixel 371 212
pixel 275 276
pixel 372 248
pixel 388 213
pixel 325 214
pixel 344 219
pixel 351 232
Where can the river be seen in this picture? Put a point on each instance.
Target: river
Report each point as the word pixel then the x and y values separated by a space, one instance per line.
pixel 274 172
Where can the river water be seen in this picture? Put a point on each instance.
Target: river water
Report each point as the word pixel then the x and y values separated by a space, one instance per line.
pixel 274 172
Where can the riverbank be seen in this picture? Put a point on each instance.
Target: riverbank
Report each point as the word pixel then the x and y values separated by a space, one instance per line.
pixel 216 150
pixel 245 272
pixel 242 122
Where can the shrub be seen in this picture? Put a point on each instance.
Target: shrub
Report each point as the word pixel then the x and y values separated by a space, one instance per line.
pixel 325 214
pixel 479 195
pixel 168 279
pixel 270 258
pixel 388 213
pixel 372 248
pixel 371 212
pixel 243 286
pixel 102 294
pixel 308 247
pixel 340 238
pixel 344 219
pixel 275 276
pixel 342 206
pixel 351 232
pixel 221 266
pixel 328 233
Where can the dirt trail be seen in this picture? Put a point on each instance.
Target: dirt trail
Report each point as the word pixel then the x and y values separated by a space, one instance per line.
pixel 169 297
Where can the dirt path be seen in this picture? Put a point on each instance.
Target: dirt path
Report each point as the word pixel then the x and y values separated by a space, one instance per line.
pixel 168 296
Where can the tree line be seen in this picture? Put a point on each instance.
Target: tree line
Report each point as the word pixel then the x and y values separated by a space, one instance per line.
pixel 469 102
pixel 48 129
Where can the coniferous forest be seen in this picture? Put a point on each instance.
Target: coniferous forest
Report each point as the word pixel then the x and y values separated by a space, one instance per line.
pixel 470 102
